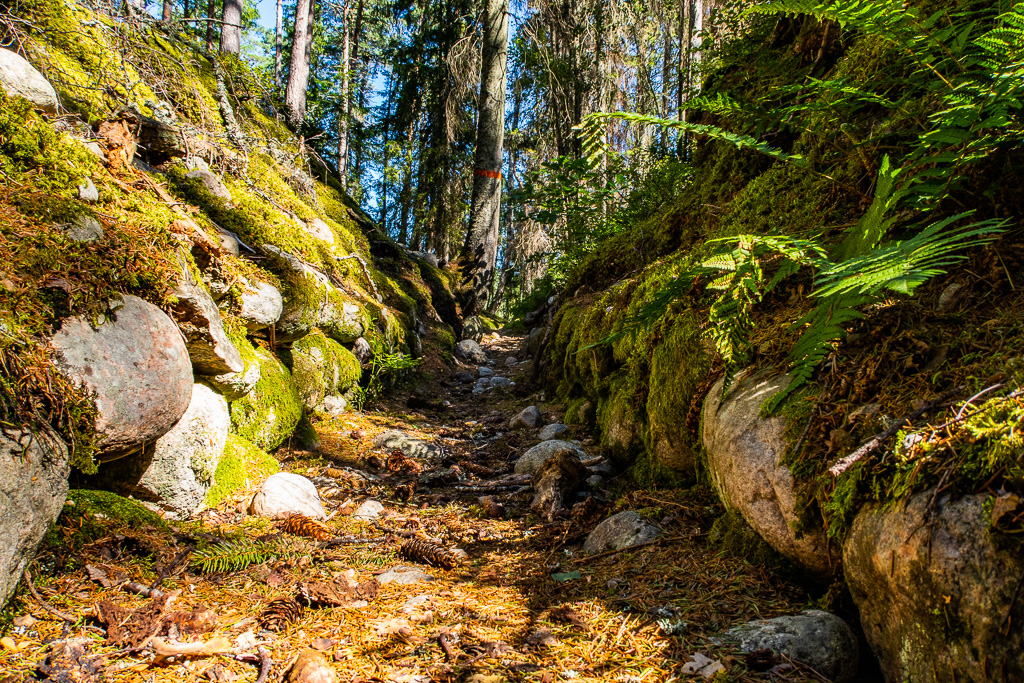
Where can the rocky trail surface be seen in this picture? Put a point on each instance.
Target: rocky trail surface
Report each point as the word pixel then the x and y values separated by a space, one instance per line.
pixel 437 538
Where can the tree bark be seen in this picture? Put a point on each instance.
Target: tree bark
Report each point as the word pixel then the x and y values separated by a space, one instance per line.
pixel 346 100
pixel 211 9
pixel 482 241
pixel 298 65
pixel 168 11
pixel 231 31
pixel 278 40
pixel 186 9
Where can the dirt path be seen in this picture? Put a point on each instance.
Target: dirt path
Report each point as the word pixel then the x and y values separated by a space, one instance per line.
pixel 525 604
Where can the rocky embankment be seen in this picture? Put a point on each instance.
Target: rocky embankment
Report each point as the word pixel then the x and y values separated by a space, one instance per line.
pixel 193 381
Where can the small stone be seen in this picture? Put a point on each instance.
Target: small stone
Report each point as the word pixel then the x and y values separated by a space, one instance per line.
pixel 318 228
pixel 84 228
pixel 404 576
pixel 463 378
pixel 553 431
pixel 334 406
pixel 528 418
pixel 485 371
pixel 284 494
pixel 87 191
pixel 818 639
pixel 501 383
pixel 949 296
pixel 369 510
pixel 411 447
pixel 212 183
pixel 511 360
pixel 361 350
pixel 531 461
pixel 620 531
pixel 469 350
pixel 595 480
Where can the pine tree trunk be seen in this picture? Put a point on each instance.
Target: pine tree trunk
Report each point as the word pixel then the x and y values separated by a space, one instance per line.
pixel 168 10
pixel 346 100
pixel 231 31
pixel 482 242
pixel 186 9
pixel 278 40
pixel 298 65
pixel 211 10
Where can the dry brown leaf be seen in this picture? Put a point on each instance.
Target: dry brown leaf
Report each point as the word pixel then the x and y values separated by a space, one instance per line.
pixel 311 667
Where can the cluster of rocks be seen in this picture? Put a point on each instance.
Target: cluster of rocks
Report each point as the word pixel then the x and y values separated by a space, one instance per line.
pixel 170 384
pixel 934 589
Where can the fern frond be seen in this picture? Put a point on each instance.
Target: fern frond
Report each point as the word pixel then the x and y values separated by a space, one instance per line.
pixel 903 266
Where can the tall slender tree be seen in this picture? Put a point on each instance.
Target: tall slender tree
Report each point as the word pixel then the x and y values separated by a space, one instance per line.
pixel 211 12
pixel 298 64
pixel 168 11
pixel 231 30
pixel 481 248
pixel 278 40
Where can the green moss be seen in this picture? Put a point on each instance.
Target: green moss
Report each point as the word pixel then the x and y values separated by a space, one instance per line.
pixel 321 367
pixel 240 466
pixel 730 533
pixel 94 514
pixel 267 415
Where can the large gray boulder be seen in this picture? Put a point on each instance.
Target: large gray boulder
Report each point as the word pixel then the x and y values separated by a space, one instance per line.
pixel 620 531
pixel 744 453
pixel 820 640
pixel 468 350
pixel 176 472
pixel 21 79
pixel 261 306
pixel 285 494
pixel 198 318
pixel 938 596
pixel 34 472
pixel 530 461
pixel 135 363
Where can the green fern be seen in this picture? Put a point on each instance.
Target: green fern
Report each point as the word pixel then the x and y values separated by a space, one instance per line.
pixel 592 133
pixel 236 555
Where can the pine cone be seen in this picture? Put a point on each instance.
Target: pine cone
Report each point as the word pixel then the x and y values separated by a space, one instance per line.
pixel 475 469
pixel 301 525
pixel 587 512
pixel 404 492
pixel 279 614
pixel 418 550
pixel 399 464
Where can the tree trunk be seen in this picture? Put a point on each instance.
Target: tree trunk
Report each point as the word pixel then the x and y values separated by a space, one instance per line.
pixel 231 31
pixel 666 75
pixel 686 25
pixel 346 100
pixel 186 9
pixel 211 10
pixel 298 65
pixel 482 240
pixel 168 10
pixel 278 40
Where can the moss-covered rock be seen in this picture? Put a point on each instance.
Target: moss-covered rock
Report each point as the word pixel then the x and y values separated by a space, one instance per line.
pixel 322 367
pixel 93 514
pixel 240 467
pixel 235 385
pixel 267 415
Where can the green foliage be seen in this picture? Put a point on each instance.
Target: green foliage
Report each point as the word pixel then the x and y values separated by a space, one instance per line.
pixel 387 367
pixel 241 462
pixel 90 515
pixel 235 555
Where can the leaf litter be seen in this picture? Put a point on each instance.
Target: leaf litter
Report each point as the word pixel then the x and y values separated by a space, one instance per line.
pixel 524 604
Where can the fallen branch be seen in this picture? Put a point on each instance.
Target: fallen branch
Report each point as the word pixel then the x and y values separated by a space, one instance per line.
pixel 366 273
pixel 170 567
pixel 166 649
pixel 42 603
pixel 876 441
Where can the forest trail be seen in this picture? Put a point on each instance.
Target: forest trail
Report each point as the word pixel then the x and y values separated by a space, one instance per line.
pixel 525 604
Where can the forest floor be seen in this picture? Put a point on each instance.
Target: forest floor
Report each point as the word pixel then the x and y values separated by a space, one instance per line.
pixel 525 604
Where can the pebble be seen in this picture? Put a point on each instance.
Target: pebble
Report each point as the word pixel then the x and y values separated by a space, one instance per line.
pixel 404 576
pixel 369 510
